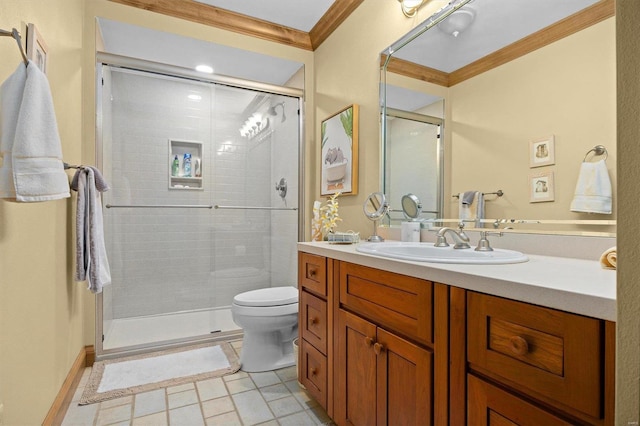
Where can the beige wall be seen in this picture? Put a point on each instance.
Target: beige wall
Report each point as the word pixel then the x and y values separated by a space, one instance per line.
pixel 41 307
pixel 566 89
pixel 628 326
pixel 347 72
pixel 46 318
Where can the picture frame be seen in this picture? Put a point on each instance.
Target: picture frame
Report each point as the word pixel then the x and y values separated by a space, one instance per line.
pixel 542 152
pixel 339 152
pixel 541 187
pixel 36 48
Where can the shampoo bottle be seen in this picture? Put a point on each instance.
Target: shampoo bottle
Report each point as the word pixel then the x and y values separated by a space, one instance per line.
pixel 175 167
pixel 186 164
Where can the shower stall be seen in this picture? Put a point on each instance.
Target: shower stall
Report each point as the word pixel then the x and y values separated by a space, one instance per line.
pixel 203 202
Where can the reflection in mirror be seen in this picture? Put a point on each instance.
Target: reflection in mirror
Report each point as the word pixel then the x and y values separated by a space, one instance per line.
pixel 411 206
pixel 413 154
pixel 375 207
pixel 521 72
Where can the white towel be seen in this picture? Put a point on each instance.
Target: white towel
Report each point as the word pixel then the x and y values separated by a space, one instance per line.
pixel 471 205
pixel 32 168
pixel 593 190
pixel 91 254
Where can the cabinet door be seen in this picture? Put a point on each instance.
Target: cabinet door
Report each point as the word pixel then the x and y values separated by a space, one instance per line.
pixel 492 406
pixel 404 381
pixel 355 398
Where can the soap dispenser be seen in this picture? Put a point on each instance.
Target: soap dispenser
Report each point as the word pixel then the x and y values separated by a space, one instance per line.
pixel 175 166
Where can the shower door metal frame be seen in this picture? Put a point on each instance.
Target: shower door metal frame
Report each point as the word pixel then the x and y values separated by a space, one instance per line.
pixel 118 61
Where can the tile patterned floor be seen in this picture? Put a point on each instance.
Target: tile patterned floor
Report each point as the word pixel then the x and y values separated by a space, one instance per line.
pixel 271 398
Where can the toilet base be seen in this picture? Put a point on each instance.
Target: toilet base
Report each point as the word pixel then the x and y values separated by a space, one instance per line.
pixel 267 351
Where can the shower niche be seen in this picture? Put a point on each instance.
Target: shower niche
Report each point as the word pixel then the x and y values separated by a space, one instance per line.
pixel 185 164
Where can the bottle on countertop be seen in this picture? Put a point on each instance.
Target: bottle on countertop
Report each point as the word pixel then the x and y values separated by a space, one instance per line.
pixel 175 167
pixel 186 164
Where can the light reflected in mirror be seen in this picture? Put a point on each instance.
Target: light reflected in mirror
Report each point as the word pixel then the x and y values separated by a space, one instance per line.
pixel 499 103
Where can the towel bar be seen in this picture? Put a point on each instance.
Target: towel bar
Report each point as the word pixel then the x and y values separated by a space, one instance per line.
pixel 158 206
pixel 499 193
pixel 597 151
pixel 252 208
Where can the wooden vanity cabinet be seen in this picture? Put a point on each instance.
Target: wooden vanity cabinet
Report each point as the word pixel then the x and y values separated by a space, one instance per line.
pixel 314 364
pixel 381 348
pixel 533 365
pixel 384 348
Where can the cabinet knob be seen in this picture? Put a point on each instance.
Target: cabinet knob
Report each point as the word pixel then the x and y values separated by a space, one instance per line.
pixel 313 371
pixel 314 320
pixel 377 348
pixel 519 345
pixel 368 341
pixel 312 272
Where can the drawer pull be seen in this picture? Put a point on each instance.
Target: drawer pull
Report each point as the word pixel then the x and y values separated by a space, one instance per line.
pixel 312 273
pixel 313 371
pixel 368 341
pixel 377 348
pixel 313 321
pixel 519 345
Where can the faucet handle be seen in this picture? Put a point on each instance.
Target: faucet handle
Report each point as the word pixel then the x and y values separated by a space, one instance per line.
pixel 483 242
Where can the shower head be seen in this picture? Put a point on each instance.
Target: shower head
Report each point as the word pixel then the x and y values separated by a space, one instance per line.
pixel 272 111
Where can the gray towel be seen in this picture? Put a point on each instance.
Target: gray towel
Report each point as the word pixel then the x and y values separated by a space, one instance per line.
pixel 92 264
pixel 467 197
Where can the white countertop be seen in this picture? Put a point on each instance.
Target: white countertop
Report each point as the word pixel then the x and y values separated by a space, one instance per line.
pixel 572 285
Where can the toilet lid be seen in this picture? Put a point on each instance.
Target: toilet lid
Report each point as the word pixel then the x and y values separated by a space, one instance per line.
pixel 272 296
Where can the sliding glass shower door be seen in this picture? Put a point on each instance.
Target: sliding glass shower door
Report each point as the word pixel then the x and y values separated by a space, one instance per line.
pixel 192 217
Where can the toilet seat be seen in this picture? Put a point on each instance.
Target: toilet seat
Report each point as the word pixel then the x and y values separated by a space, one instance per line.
pixel 266 297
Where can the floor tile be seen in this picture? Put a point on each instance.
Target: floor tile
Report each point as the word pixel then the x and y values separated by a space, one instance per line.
pixel 149 402
pixel 285 406
pixel 113 415
pixel 288 373
pixel 180 388
pixel 189 415
pixel 235 376
pixel 270 393
pixel 266 378
pixel 227 419
pixel 80 415
pixel 298 419
pixel 241 385
pixel 251 407
pixel 215 407
pixel 157 419
pixel 116 402
pixel 181 399
pixel 211 388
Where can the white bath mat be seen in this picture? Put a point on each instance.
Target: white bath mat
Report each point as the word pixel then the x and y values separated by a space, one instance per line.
pixel 124 376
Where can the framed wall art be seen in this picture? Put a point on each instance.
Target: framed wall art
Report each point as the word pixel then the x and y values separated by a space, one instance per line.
pixel 339 152
pixel 36 48
pixel 542 152
pixel 541 187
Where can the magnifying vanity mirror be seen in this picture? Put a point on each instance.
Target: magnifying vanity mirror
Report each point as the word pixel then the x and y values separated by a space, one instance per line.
pixel 375 207
pixel 520 73
pixel 411 206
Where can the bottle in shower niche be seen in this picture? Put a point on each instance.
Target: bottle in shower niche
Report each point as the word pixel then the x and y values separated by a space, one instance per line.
pixel 175 166
pixel 186 164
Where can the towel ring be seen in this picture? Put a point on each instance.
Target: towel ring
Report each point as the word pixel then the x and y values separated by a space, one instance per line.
pixel 597 150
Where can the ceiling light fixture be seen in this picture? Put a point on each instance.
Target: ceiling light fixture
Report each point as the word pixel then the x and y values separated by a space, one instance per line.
pixel 204 68
pixel 410 7
pixel 457 22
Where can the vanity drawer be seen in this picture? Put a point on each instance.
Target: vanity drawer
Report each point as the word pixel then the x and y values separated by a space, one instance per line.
pixel 313 372
pixel 401 303
pixel 492 406
pixel 542 351
pixel 313 321
pixel 312 273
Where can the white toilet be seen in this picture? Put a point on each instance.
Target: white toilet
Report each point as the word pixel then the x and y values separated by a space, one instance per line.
pixel 269 319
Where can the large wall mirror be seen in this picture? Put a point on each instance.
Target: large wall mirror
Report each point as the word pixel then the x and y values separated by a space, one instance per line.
pixel 496 79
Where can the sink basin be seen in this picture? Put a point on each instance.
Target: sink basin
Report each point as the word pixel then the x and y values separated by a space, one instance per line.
pixel 427 252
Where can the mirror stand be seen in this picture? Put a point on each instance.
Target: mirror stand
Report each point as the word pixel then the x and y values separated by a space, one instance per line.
pixel 375 206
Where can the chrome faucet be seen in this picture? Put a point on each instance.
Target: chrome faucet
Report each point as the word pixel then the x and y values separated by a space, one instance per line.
pixel 460 237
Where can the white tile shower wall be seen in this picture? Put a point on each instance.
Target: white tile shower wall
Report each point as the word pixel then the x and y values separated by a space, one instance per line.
pixel 284 164
pixel 166 260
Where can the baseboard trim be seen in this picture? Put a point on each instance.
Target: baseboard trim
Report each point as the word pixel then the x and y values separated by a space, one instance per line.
pixel 56 413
